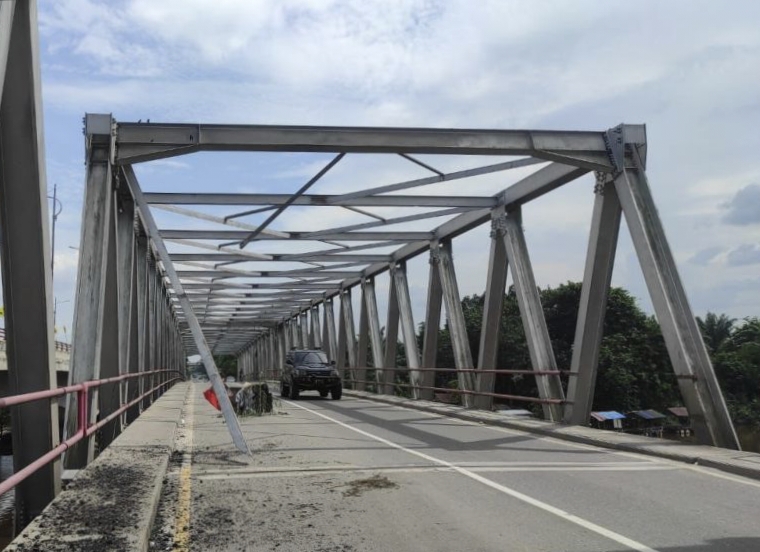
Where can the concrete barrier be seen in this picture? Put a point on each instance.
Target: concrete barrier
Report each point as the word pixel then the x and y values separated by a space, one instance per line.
pixel 111 504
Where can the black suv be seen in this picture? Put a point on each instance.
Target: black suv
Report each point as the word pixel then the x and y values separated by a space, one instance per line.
pixel 309 369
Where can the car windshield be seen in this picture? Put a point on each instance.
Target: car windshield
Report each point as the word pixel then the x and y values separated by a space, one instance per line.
pixel 313 358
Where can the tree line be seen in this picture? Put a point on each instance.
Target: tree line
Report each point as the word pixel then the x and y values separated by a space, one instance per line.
pixel 634 368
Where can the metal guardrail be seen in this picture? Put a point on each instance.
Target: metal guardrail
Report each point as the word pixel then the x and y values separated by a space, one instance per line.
pixel 84 428
pixel 275 375
pixel 59 345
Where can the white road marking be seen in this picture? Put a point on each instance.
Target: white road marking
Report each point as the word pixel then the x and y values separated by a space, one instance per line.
pixel 581 522
pixel 677 464
pixel 401 469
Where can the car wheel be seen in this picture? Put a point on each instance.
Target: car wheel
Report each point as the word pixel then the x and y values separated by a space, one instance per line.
pixel 337 393
pixel 323 393
pixel 294 391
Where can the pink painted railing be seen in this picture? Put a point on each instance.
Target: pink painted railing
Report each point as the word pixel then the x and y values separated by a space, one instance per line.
pixel 84 428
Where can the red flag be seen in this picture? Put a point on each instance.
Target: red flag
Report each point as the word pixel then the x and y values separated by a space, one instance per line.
pixel 211 397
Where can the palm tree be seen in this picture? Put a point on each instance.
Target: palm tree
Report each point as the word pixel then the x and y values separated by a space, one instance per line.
pixel 716 329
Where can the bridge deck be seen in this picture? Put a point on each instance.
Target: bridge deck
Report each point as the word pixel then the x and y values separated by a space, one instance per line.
pixel 356 475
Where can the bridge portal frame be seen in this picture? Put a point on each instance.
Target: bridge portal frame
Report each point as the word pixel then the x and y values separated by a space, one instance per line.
pixel 289 315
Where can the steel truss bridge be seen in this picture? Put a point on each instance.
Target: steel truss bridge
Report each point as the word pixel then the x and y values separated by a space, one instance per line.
pixel 149 295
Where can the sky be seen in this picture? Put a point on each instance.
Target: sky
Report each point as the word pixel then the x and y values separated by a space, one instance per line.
pixel 688 70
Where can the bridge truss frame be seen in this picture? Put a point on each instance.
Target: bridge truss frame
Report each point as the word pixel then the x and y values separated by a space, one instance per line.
pixel 135 313
pixel 266 312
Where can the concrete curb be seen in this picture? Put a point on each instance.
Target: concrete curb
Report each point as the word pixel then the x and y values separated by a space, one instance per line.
pixel 112 504
pixel 746 464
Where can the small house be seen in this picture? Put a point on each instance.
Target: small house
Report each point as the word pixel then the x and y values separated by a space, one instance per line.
pixel 648 422
pixel 608 419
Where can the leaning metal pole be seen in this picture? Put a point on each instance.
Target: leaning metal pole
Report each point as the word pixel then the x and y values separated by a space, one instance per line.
pixel 200 341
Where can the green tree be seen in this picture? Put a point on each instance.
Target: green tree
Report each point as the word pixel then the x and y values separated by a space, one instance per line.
pixel 716 329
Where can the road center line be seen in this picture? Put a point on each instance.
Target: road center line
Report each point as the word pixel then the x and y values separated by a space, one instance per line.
pixel 590 526
pixel 184 495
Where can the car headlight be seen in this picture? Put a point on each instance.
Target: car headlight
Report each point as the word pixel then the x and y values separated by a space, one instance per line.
pixel 300 372
pixel 335 373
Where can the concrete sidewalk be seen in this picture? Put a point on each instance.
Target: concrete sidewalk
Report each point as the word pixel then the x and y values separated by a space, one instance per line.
pixel 742 463
pixel 111 504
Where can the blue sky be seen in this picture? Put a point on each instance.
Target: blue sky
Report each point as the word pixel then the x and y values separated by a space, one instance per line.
pixel 686 69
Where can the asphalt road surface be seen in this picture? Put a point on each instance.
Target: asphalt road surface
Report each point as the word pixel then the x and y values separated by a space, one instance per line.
pixel 355 475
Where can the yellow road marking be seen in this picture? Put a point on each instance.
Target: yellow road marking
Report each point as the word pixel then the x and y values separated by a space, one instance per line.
pixel 184 495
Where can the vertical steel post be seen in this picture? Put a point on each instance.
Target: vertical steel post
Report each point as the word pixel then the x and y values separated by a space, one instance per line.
pixel 347 315
pixel 492 307
pixel 532 314
pixel 363 341
pixel 329 328
pixel 696 378
pixel 108 394
pixel 399 280
pixel 25 256
pixel 455 315
pixel 316 333
pixel 375 337
pixel 133 386
pixel 391 339
pixel 306 342
pixel 91 280
pixel 124 225
pixel 600 260
pixel 432 322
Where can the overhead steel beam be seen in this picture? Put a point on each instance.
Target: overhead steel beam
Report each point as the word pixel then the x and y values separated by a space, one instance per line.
pixel 456 175
pixel 232 235
pixel 293 198
pixel 25 256
pixel 200 342
pixel 317 200
pixel 142 142
pixel 332 258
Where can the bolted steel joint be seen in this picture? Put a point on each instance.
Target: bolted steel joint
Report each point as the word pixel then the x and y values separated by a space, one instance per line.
pixel 499 226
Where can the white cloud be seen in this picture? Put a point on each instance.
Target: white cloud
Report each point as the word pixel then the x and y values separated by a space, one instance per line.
pixel 690 74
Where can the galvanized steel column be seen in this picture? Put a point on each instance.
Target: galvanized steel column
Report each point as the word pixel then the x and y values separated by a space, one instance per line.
pixel 399 281
pixel 391 340
pixel 532 314
pixel 696 378
pixel 375 337
pixel 329 330
pixel 459 341
pixel 362 343
pixel 25 249
pixel 600 260
pixel 492 307
pixel 432 322
pixel 316 333
pixel 349 333
pixel 91 280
